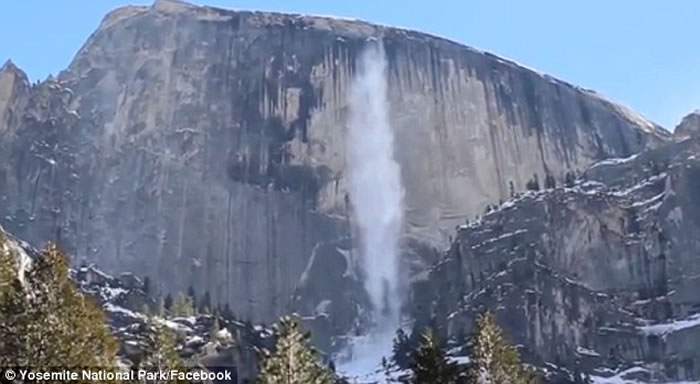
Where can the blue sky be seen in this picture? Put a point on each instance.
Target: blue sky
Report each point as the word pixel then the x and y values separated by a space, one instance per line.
pixel 641 53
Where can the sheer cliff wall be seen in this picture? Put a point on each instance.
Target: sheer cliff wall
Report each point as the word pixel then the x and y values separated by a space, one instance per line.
pixel 206 147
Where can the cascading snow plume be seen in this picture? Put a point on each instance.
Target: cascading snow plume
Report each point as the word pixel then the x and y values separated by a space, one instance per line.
pixel 376 195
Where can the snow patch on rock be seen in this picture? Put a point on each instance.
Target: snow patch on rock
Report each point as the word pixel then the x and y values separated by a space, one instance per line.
pixel 666 328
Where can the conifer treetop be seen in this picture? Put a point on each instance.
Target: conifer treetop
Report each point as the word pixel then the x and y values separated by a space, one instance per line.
pixel 430 363
pixel 294 360
pixel 492 360
pixel 48 322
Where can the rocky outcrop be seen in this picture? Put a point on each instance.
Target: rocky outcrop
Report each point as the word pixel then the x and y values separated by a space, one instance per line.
pixel 123 300
pixel 233 345
pixel 689 126
pixel 206 147
pixel 600 277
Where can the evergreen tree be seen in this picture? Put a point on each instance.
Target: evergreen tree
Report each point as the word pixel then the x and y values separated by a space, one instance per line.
pixel 182 306
pixel 147 285
pixel 7 274
pixel 160 307
pixel 401 351
pixel 569 179
pixel 294 361
pixel 533 184
pixel 386 368
pixel 205 303
pixel 227 313
pixel 430 365
pixel 168 302
pixel 46 321
pixel 512 188
pixel 192 295
pixel 492 360
pixel 215 328
pixel 159 353
pixel 550 182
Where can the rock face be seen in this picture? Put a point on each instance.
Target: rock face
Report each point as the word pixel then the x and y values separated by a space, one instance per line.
pixel 599 277
pixel 206 147
pixel 689 126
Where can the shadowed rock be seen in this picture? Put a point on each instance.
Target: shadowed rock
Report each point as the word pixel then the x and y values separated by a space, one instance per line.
pixel 603 275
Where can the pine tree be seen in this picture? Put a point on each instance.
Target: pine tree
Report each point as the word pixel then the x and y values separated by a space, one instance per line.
pixel 430 365
pixel 215 328
pixel 205 303
pixel 168 302
pixel 7 274
pixel 533 184
pixel 227 313
pixel 47 321
pixel 512 188
pixel 401 350
pixel 160 353
pixel 160 307
pixel 550 182
pixel 294 361
pixel 569 179
pixel 147 285
pixel 192 295
pixel 182 306
pixel 492 360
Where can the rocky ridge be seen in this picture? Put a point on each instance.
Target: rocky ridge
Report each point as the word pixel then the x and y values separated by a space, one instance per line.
pixel 599 276
pixel 689 126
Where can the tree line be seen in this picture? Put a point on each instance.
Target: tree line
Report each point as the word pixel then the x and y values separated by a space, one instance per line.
pixel 46 321
pixel 491 359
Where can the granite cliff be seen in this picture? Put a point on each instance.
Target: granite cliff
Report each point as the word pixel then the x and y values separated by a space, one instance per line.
pixel 598 276
pixel 206 147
